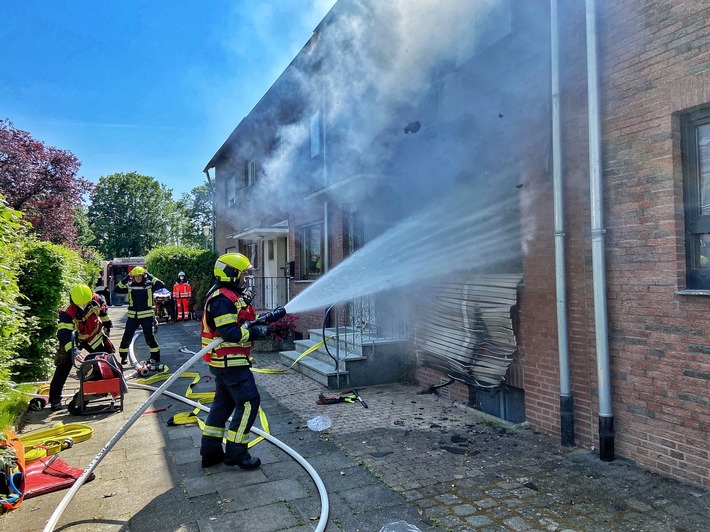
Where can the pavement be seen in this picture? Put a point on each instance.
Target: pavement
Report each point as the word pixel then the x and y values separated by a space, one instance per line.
pixel 409 460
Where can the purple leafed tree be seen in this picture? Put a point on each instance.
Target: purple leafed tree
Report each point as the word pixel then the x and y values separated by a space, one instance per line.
pixel 42 182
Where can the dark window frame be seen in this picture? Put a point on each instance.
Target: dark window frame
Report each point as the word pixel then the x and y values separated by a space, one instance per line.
pixel 697 224
pixel 311 269
pixel 250 173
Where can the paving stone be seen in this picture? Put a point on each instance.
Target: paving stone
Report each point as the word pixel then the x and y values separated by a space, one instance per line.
pixel 152 479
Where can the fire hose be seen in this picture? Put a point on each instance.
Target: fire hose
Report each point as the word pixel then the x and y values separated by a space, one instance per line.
pixel 54 518
pixel 323 521
pixel 109 445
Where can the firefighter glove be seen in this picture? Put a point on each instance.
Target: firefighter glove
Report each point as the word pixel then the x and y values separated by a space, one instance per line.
pixel 256 331
pixel 61 358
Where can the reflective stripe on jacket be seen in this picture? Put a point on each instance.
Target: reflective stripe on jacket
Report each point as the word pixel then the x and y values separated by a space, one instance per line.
pixel 182 290
pixel 233 310
pixel 88 325
pixel 140 296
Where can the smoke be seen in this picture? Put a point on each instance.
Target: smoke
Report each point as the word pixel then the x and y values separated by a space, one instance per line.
pixel 415 113
pixel 370 70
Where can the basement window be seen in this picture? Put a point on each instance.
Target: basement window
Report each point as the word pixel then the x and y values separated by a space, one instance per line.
pixel 695 145
pixel 311 249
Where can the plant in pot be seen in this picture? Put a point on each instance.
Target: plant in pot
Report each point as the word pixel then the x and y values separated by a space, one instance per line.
pixel 279 335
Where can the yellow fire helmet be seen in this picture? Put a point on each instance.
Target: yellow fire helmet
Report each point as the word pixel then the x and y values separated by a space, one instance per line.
pixel 229 267
pixel 81 295
pixel 138 270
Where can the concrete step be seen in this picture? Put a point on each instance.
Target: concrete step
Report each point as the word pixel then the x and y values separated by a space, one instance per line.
pixel 321 354
pixel 318 370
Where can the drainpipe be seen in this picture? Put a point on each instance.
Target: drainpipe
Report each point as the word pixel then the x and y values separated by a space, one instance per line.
pixel 606 417
pixel 566 398
pixel 326 255
pixel 209 181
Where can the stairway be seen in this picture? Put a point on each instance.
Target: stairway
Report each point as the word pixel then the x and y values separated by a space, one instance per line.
pixel 363 360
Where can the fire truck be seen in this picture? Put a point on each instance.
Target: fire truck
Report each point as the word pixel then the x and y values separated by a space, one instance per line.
pixel 112 271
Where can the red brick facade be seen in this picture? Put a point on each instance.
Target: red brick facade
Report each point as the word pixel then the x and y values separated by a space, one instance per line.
pixel 654 65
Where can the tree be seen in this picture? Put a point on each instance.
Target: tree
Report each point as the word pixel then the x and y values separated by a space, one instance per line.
pixel 84 236
pixel 197 206
pixel 41 181
pixel 130 214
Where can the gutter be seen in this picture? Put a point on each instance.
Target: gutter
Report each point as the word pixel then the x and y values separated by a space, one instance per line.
pixel 212 185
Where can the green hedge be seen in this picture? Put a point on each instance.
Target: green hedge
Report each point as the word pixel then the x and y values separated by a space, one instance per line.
pixel 198 264
pixel 48 273
pixel 15 326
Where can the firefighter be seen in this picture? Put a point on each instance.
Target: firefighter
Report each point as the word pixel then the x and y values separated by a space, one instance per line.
pixel 140 311
pixel 85 321
pixel 182 292
pixel 228 315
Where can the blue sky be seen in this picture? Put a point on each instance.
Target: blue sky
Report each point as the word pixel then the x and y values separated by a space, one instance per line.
pixel 148 86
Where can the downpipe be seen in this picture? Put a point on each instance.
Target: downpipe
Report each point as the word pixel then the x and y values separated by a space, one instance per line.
pixel 596 193
pixel 566 397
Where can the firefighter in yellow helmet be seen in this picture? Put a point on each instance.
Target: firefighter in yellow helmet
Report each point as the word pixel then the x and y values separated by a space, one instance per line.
pixel 140 310
pixel 228 314
pixel 83 324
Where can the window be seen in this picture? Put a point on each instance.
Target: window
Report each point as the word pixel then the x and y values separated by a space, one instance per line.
pixel 250 173
pixel 250 251
pixel 270 250
pixel 695 141
pixel 231 190
pixel 315 134
pixel 312 251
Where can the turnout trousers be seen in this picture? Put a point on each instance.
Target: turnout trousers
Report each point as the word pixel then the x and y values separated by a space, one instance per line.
pixel 132 325
pixel 236 395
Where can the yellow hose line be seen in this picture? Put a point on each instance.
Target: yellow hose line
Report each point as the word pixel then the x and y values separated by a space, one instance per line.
pixel 185 418
pixel 269 371
pixel 43 442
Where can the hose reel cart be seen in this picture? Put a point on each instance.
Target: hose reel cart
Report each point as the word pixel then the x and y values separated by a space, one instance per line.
pixel 101 382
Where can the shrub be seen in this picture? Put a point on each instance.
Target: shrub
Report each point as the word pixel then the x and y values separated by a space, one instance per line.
pixel 15 327
pixel 166 262
pixel 283 329
pixel 49 271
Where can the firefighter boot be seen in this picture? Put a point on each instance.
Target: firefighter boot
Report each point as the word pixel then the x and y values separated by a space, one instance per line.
pixel 238 455
pixel 212 456
pixel 211 450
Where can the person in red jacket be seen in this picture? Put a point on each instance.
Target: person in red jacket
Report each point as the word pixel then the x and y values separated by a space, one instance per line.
pixel 182 292
pixel 83 324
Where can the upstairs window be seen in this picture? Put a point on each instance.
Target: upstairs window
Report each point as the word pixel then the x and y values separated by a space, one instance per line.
pixel 250 173
pixel 315 134
pixel 231 190
pixel 695 143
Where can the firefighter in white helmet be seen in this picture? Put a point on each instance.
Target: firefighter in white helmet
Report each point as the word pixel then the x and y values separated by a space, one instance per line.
pixel 182 293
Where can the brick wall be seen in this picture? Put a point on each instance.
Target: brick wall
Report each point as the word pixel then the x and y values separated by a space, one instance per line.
pixel 653 63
